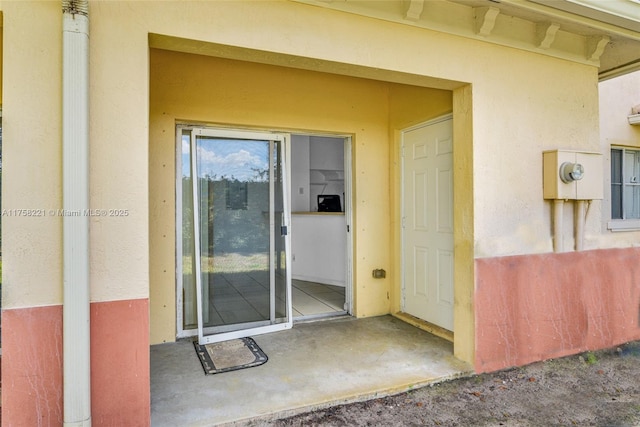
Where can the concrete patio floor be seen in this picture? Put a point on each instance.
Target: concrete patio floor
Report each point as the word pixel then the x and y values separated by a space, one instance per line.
pixel 311 366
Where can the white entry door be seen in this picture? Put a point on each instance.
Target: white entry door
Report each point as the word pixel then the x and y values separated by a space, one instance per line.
pixel 427 222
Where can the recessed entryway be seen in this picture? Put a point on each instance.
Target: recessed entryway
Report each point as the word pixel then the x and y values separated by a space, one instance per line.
pixel 371 112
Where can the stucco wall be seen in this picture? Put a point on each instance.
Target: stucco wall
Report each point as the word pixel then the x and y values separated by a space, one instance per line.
pixel 540 103
pixel 32 224
pixel 32 162
pixel 617 97
pixel 1 55
pixel 32 175
pixel 538 307
pixel 553 104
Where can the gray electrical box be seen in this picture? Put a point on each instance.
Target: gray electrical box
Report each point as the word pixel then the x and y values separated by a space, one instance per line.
pixel 572 175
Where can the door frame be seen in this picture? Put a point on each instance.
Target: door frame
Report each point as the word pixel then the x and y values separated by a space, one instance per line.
pixel 347 141
pixel 348 216
pixel 220 334
pixel 254 328
pixel 181 332
pixel 403 255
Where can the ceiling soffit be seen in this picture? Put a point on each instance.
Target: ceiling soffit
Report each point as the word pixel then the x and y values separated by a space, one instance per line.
pixel 578 33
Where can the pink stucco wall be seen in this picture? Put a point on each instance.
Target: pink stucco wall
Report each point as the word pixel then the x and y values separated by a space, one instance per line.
pixel 120 365
pixel 537 307
pixel 32 365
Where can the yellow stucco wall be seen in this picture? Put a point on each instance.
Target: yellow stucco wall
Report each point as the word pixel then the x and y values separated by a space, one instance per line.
pixel 463 223
pixel 32 175
pixel 617 97
pixel 554 104
pixel 1 45
pixel 32 158
pixel 186 87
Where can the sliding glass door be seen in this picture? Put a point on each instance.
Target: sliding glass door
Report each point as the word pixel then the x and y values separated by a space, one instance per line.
pixel 235 265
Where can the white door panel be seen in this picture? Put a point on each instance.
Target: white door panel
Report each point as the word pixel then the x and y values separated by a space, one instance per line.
pixel 428 223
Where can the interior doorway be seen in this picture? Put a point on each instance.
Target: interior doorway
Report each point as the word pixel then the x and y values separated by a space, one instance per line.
pixel 320 220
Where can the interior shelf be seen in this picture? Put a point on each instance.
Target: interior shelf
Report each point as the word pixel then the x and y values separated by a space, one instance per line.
pixel 323 176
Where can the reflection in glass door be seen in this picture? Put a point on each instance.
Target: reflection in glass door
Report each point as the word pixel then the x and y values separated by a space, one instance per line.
pixel 235 276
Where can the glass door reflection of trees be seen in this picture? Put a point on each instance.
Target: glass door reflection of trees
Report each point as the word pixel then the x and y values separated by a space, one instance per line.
pixel 238 237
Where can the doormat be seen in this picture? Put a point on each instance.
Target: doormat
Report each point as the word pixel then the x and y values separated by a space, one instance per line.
pixel 230 355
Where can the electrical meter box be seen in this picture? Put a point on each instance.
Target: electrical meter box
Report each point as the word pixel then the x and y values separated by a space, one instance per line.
pixel 572 175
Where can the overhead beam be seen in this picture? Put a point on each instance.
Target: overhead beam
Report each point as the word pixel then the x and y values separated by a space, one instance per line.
pixel 414 10
pixel 485 19
pixel 546 34
pixel 595 47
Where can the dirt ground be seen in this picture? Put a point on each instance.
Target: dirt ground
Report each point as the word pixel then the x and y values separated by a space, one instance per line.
pixel 592 389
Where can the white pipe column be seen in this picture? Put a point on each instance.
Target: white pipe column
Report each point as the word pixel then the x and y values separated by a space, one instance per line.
pixel 558 208
pixel 75 200
pixel 580 218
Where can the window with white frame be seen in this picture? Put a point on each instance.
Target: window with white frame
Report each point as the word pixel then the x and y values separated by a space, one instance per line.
pixel 625 183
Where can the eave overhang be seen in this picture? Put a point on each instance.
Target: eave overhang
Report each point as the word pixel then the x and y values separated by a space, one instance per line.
pixel 576 30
